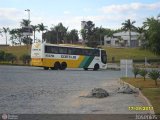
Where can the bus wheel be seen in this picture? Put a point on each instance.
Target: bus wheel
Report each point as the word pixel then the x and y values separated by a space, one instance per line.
pixel 57 65
pixel 96 67
pixel 52 68
pixel 63 66
pixel 46 68
pixel 85 68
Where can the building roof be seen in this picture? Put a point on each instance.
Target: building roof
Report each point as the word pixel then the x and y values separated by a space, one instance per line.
pixel 125 33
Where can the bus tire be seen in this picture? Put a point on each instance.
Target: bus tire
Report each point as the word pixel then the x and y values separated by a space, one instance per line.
pixel 96 67
pixel 45 68
pixel 52 68
pixel 63 66
pixel 85 68
pixel 57 66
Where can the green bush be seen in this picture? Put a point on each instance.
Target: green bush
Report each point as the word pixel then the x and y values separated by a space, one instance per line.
pixel 135 71
pixel 143 73
pixel 25 58
pixel 9 57
pixel 2 53
pixel 154 75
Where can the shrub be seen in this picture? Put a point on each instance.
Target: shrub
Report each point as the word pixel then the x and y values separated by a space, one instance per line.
pixel 143 73
pixel 154 75
pixel 2 53
pixel 9 57
pixel 135 71
pixel 25 58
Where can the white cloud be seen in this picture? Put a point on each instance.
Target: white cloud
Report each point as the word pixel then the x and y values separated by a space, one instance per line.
pixel 66 12
pixel 87 9
pixel 10 17
pixel 129 7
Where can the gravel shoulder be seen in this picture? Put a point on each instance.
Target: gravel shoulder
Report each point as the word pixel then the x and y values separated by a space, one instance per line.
pixel 116 103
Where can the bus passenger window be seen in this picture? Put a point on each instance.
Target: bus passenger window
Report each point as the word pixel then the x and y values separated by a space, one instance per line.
pixel 62 50
pixel 96 52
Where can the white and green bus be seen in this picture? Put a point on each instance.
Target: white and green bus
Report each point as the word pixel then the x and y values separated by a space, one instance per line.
pixel 62 56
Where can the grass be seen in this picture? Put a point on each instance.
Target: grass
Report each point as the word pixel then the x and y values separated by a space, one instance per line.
pixel 129 53
pixel 148 89
pixel 140 83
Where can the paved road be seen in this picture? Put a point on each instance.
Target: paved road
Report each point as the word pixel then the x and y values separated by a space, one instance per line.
pixel 33 90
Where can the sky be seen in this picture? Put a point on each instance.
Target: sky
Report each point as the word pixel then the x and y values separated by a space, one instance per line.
pixel 106 13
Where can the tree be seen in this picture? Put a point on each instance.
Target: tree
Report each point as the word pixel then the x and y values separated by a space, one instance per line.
pixel 128 26
pixel 25 23
pixel 142 36
pixel 152 26
pixel 135 71
pixel 27 40
pixel 16 36
pixel 73 36
pixel 34 28
pixel 25 58
pixel 88 33
pixel 61 32
pixel 143 73
pixel 5 30
pixel 42 28
pixel 84 34
pixel 154 75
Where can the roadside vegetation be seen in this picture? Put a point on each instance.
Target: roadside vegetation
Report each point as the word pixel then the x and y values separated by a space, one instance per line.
pixel 15 55
pixel 149 86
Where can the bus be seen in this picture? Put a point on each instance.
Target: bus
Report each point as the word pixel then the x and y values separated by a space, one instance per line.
pixel 62 56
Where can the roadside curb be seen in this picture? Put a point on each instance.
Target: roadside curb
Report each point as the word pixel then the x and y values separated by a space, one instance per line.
pixel 139 93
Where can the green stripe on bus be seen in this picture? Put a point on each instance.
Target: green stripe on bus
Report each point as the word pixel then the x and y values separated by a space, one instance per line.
pixel 88 62
pixel 84 62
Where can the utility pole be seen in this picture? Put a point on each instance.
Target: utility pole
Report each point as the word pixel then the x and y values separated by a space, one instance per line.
pixel 28 11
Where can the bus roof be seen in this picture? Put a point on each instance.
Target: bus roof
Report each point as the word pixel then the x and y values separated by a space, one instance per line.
pixel 70 45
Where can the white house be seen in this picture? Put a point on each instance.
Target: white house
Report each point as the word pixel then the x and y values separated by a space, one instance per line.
pixel 122 39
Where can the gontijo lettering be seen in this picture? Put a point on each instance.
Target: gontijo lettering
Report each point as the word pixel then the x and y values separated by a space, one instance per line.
pixel 68 56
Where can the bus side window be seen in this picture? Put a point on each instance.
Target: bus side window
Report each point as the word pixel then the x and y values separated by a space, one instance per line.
pixel 96 52
pixel 88 52
pixel 54 50
pixel 51 49
pixel 70 51
pixel 62 50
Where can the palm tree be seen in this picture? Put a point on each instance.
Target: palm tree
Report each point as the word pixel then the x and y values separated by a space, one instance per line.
pixel 25 23
pixel 143 73
pixel 141 37
pixel 154 75
pixel 5 30
pixel 13 35
pixel 34 28
pixel 42 28
pixel 56 28
pixel 61 32
pixel 128 26
pixel 152 26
